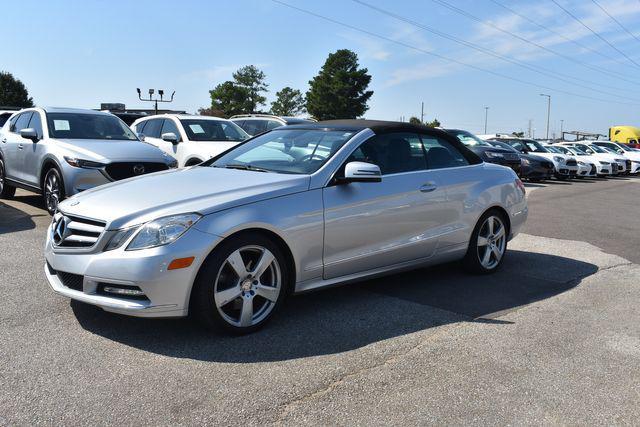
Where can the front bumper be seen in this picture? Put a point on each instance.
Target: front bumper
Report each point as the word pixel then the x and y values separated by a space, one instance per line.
pixel 166 292
pixel 77 180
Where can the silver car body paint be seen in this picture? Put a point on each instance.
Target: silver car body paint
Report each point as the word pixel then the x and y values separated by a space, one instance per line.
pixel 335 233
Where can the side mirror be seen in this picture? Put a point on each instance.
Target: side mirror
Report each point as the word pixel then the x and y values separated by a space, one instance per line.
pixel 170 137
pixel 361 172
pixel 30 133
pixel 620 151
pixel 140 136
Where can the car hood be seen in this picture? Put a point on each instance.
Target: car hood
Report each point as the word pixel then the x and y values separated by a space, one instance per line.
pixel 533 158
pixel 106 151
pixel 198 189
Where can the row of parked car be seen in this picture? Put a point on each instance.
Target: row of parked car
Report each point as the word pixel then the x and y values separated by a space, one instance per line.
pixel 94 148
pixel 535 161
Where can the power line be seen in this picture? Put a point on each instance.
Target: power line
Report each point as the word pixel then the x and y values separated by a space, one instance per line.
pixel 615 20
pixel 556 33
pixel 541 70
pixel 596 34
pixel 445 58
pixel 525 40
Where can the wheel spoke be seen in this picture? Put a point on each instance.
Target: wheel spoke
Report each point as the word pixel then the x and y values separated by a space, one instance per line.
pixel 499 233
pixel 236 262
pixel 490 225
pixel 246 314
pixel 482 241
pixel 496 253
pixel 268 292
pixel 487 257
pixel 224 297
pixel 265 261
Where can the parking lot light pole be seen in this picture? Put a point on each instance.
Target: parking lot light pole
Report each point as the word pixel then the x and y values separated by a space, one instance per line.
pixel 548 111
pixel 486 115
pixel 155 100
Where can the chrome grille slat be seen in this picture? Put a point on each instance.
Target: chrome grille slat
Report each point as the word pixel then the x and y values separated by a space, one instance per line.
pixel 71 232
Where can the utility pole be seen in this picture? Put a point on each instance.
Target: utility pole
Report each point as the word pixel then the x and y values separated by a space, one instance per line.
pixel 548 111
pixel 561 129
pixel 529 132
pixel 422 114
pixel 486 115
pixel 155 100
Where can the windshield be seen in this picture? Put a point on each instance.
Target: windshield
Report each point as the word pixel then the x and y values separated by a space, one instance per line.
pixel 501 144
pixel 553 149
pixel 535 146
pixel 213 130
pixel 468 139
pixel 88 126
pixel 598 149
pixel 622 147
pixel 295 151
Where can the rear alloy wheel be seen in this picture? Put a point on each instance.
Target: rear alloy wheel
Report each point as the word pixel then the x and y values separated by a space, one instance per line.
pixel 6 190
pixel 241 285
pixel 488 244
pixel 52 190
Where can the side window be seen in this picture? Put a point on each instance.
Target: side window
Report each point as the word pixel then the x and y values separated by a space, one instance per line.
pixel 442 154
pixel 254 127
pixel 152 129
pixel 3 118
pixel 12 123
pixel 36 124
pixel 170 127
pixel 393 153
pixel 140 126
pixel 272 124
pixel 22 122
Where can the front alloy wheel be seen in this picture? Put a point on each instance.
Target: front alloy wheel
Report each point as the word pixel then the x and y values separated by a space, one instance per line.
pixel 247 286
pixel 53 190
pixel 241 284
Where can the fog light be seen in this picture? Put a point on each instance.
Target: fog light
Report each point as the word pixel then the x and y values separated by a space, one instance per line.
pixel 129 292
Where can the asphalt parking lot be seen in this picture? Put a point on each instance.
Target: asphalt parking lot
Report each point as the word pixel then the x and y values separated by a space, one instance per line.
pixel 552 338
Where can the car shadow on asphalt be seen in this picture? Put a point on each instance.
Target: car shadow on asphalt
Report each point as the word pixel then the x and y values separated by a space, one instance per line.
pixel 349 317
pixel 13 220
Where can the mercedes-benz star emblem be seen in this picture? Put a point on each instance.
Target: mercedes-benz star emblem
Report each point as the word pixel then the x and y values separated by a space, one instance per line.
pixel 138 169
pixel 60 231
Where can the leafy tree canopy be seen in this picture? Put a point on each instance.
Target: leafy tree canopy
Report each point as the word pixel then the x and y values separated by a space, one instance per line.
pixel 13 92
pixel 289 102
pixel 241 95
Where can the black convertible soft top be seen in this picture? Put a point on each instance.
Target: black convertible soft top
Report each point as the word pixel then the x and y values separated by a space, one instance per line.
pixel 381 127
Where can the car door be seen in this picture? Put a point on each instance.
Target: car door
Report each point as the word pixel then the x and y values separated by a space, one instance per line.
pixel 15 162
pixel 9 146
pixel 374 225
pixel 33 152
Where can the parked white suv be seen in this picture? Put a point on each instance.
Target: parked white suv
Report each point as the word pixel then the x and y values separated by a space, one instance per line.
pixel 255 124
pixel 189 139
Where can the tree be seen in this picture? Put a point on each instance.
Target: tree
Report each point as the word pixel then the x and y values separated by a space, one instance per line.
pixel 210 112
pixel 252 81
pixel 289 102
pixel 518 134
pixel 415 121
pixel 434 124
pixel 242 95
pixel 339 91
pixel 13 93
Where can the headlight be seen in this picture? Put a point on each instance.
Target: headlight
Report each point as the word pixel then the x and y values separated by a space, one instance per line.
pixel 162 231
pixel 85 164
pixel 493 155
pixel 558 159
pixel 604 163
pixel 525 162
pixel 119 238
pixel 581 163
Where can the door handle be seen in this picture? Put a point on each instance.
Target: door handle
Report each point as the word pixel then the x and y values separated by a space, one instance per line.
pixel 4 140
pixel 428 187
pixel 20 147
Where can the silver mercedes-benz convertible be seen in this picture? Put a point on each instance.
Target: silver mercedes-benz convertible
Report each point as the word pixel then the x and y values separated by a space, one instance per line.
pixel 294 209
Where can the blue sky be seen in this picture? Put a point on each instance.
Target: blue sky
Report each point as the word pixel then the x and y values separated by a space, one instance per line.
pixel 81 53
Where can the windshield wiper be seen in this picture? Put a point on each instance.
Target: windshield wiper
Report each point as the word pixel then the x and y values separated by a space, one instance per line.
pixel 245 167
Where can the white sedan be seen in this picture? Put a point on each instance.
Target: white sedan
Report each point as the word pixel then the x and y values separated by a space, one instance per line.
pixel 189 139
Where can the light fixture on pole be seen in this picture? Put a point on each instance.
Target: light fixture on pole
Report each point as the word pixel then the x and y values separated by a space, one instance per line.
pixel 548 111
pixel 486 115
pixel 156 100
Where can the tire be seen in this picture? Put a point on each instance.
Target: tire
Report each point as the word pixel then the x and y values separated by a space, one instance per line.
pixel 192 162
pixel 52 190
pixel 6 191
pixel 234 299
pixel 475 260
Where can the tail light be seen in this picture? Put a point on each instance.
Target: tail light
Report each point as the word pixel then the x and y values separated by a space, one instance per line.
pixel 520 185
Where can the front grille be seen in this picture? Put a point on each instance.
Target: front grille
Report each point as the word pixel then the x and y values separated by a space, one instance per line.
pixel 547 165
pixel 593 170
pixel 73 232
pixel 123 170
pixel 68 280
pixel 572 162
pixel 628 165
